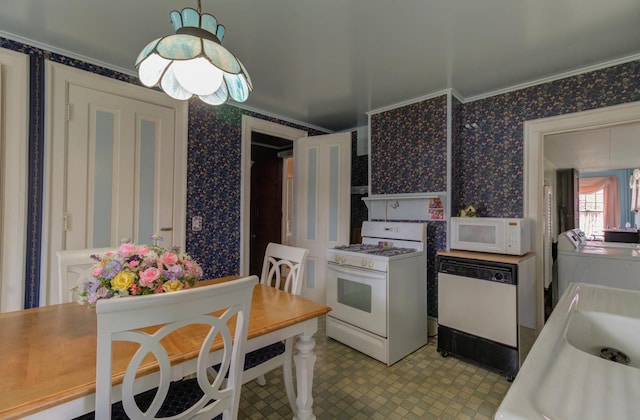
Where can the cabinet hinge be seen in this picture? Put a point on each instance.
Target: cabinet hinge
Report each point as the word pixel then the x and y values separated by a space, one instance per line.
pixel 65 222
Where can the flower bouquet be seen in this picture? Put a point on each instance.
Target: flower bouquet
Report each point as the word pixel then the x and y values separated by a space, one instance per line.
pixel 138 270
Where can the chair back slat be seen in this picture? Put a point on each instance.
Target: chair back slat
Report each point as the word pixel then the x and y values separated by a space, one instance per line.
pixel 74 266
pixel 121 319
pixel 281 260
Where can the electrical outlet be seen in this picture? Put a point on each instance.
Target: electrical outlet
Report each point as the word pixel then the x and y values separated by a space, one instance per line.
pixel 196 223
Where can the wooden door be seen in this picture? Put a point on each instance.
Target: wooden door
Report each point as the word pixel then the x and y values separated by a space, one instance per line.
pixel 266 203
pixel 322 196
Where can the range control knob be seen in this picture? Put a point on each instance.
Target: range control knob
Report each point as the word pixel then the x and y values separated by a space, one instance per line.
pixel 364 262
pixel 498 277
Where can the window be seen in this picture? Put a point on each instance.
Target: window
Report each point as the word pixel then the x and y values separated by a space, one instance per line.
pixel 592 214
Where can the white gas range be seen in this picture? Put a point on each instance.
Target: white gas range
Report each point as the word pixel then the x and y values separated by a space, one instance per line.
pixel 378 291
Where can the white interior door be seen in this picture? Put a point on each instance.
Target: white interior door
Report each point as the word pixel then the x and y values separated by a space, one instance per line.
pixel 119 181
pixel 322 194
pixel 115 164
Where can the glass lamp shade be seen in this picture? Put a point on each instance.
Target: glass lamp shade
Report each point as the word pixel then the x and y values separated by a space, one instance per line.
pixel 193 62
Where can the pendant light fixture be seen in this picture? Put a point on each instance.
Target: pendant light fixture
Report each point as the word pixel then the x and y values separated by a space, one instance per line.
pixel 193 62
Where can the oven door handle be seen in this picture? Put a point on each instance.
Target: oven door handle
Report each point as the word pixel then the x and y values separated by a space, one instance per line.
pixel 339 269
pixel 362 272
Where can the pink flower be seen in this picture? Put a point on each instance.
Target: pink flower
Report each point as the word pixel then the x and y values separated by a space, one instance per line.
pixel 148 276
pixel 127 250
pixel 134 263
pixel 169 258
pixel 97 271
pixel 143 250
pixel 149 259
pixel 193 269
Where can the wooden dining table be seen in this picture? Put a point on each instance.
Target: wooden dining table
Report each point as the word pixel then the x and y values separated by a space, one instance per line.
pixel 48 354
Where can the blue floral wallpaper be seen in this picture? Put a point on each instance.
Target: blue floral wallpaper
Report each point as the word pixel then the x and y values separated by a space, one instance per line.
pixel 409 146
pixel 487 145
pixel 457 129
pixel 487 161
pixel 213 184
pixel 490 158
pixel 213 188
pixel 359 177
pixel 409 155
pixel 213 173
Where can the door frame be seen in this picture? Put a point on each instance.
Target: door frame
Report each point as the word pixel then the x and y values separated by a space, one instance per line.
pixel 534 134
pixel 249 125
pixel 58 77
pixel 14 140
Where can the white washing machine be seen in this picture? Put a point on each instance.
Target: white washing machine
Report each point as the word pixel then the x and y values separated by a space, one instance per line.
pixel 610 264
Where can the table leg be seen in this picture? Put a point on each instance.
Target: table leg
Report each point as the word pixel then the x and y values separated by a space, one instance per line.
pixel 304 359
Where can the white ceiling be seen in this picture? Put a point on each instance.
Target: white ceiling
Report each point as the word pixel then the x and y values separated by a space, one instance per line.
pixel 597 150
pixel 328 62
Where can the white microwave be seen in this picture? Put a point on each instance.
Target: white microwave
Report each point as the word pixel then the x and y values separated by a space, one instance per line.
pixel 491 234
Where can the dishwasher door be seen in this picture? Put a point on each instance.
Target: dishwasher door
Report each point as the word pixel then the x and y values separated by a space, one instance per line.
pixel 479 299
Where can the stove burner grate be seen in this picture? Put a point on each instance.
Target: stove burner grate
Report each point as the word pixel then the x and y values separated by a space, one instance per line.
pixel 357 247
pixel 391 251
pixel 374 249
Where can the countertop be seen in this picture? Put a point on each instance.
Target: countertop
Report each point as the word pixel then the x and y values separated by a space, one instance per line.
pixel 485 256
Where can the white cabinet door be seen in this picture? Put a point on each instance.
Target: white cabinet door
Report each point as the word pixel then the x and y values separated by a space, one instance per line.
pixel 322 194
pixel 119 180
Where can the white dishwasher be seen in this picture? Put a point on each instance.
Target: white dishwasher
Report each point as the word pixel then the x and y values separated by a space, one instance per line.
pixel 478 312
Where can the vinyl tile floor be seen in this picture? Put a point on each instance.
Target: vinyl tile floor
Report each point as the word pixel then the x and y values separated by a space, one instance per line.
pixel 350 385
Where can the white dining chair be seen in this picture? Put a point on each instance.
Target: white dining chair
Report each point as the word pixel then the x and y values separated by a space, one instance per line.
pixel 200 396
pixel 283 268
pixel 74 265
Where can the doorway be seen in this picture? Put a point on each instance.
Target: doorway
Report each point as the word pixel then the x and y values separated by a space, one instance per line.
pixel 534 134
pixel 269 194
pixel 251 126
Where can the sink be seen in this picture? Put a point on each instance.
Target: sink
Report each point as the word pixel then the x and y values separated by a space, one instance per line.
pixel 586 361
pixel 610 336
